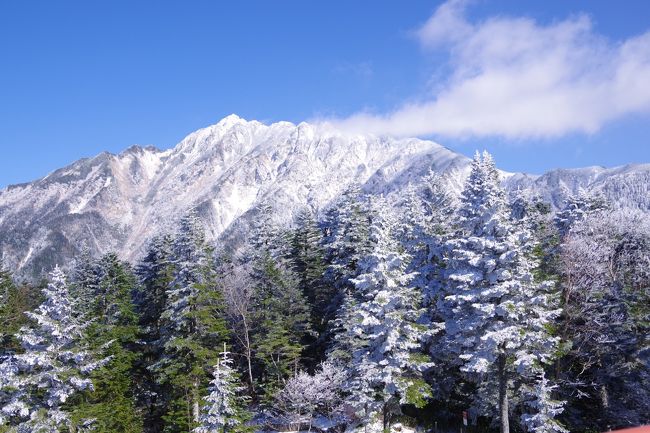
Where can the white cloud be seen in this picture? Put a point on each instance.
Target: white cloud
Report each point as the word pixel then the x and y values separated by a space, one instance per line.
pixel 515 78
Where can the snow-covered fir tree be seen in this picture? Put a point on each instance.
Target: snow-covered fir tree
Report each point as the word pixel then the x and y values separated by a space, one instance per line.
pixel 576 208
pixel 383 328
pixel 223 409
pixel 545 409
pixel 155 273
pixel 412 224
pixel 192 262
pixel 439 203
pixel 496 315
pixel 5 285
pixel 192 323
pixel 83 282
pixel 281 313
pixel 426 212
pixel 112 334
pixel 8 295
pixel 348 240
pixel 53 367
pixel 347 237
pixel 307 258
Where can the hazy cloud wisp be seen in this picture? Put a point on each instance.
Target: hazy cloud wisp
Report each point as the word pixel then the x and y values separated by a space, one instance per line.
pixel 515 78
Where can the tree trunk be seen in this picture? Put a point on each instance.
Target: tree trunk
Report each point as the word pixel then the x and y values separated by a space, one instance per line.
pixel 188 407
pixel 196 402
pixel 249 356
pixel 604 397
pixel 503 394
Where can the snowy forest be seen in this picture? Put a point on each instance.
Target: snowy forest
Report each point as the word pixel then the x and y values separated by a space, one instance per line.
pixel 412 311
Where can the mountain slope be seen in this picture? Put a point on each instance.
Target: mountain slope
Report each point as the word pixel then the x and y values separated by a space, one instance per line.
pixel 117 202
pixel 624 186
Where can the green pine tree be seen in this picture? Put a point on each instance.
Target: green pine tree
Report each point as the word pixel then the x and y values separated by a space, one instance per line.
pixel 155 274
pixel 113 333
pixel 14 301
pixel 307 258
pixel 192 325
pixel 280 310
pixel 283 318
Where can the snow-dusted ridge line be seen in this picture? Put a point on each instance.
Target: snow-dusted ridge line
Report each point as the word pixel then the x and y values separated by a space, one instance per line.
pixel 116 202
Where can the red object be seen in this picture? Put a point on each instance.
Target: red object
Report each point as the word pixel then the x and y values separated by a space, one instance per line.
pixel 641 429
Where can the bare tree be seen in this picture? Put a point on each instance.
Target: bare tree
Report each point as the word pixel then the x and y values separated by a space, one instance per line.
pixel 605 262
pixel 304 395
pixel 238 292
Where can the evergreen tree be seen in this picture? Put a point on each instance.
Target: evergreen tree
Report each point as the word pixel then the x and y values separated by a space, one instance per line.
pixel 283 317
pixel 6 286
pixel 155 274
pixel 83 283
pixel 14 301
pixel 38 383
pixel 576 208
pixel 385 362
pixel 496 315
pixel 439 203
pixel 348 237
pixel 223 410
pixel 192 323
pixel 545 409
pixel 348 240
pixel 7 291
pixel 113 332
pixel 425 223
pixel 308 263
pixel 280 309
pixel 410 229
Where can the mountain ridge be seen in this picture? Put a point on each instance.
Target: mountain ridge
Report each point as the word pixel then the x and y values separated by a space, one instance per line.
pixel 116 202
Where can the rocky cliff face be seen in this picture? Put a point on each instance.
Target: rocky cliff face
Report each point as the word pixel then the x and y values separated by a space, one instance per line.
pixel 117 202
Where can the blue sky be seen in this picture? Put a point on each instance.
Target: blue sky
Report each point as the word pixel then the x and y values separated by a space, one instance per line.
pixel 78 78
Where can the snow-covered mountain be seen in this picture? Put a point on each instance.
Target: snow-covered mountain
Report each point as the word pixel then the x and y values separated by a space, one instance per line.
pixel 117 202
pixel 624 186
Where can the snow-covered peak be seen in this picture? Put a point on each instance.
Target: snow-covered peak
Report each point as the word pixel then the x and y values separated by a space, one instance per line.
pixel 139 149
pixel 117 202
pixel 230 120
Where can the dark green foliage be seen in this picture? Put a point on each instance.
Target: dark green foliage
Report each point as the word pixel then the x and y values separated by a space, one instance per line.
pixel 307 260
pixel 15 299
pixel 192 325
pixel 279 312
pixel 284 300
pixel 113 333
pixel 283 323
pixel 155 273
